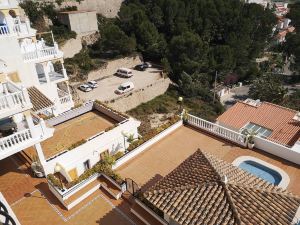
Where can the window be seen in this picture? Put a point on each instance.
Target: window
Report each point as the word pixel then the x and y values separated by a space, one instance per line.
pixel 261 131
pixel 86 165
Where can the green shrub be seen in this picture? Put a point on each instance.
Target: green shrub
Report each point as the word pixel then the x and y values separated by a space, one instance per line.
pixel 152 133
pixel 55 181
pixel 118 155
pixel 76 144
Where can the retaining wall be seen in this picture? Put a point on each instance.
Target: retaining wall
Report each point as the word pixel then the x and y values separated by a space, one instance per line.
pixel 135 98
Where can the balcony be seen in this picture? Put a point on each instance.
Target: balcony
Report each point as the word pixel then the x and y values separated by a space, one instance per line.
pixel 64 97
pixel 40 52
pixel 17 27
pixel 53 76
pixel 13 99
pixel 24 135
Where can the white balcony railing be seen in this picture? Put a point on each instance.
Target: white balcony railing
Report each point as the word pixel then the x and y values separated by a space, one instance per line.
pixel 65 99
pixel 217 130
pixel 4 30
pixel 24 138
pixel 13 100
pixel 18 27
pixel 18 138
pixel 47 52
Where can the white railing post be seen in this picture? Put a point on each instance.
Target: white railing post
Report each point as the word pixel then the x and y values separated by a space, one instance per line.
pixel 217 129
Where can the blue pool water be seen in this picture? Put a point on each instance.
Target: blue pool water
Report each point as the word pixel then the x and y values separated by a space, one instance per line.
pixel 261 171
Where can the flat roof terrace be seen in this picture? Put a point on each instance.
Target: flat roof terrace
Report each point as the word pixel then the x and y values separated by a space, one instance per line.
pixel 69 132
pixel 164 156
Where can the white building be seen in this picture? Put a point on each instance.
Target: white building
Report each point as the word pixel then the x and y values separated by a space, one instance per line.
pixel 264 3
pixel 29 62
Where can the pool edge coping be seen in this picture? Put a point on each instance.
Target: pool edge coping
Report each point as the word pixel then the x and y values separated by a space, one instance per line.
pixel 285 177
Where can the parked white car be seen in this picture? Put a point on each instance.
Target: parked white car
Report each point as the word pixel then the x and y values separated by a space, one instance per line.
pixel 92 84
pixel 85 88
pixel 125 87
pixel 124 72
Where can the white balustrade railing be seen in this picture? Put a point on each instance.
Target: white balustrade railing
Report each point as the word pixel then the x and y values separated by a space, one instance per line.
pixel 10 101
pixel 217 130
pixel 17 98
pixel 4 30
pixel 65 99
pixel 15 139
pixel 40 53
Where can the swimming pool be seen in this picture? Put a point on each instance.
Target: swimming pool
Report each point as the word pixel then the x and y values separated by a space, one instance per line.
pixel 261 171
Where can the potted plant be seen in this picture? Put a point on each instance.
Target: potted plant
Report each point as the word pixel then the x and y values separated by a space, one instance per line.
pixel 250 134
pixel 37 168
pixel 184 116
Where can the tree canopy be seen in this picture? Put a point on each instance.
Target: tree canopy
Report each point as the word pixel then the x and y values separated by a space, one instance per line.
pixel 198 35
pixel 268 88
pixel 292 45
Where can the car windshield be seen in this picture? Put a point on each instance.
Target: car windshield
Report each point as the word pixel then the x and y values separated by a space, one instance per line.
pixel 122 88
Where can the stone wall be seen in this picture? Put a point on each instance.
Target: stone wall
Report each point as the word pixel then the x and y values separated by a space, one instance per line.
pixel 135 98
pixel 111 67
pixel 108 8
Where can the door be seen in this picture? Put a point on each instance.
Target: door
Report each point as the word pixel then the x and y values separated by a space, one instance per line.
pixel 73 174
pixel 86 165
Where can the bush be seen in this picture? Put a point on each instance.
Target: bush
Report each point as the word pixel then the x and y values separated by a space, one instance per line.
pixel 54 181
pixel 118 155
pixel 152 133
pixel 76 144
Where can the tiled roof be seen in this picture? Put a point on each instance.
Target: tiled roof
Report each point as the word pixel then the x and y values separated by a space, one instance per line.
pixel 206 190
pixel 38 99
pixel 279 119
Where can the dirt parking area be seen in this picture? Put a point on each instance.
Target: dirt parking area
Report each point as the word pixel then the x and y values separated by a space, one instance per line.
pixel 74 130
pixel 106 87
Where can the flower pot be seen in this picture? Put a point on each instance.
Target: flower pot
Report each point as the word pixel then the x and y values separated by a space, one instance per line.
pixel 250 145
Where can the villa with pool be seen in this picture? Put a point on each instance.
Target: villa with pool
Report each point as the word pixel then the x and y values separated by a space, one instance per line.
pixel 191 171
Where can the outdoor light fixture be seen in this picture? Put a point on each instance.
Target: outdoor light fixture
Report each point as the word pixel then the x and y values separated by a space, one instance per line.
pixel 179 101
pixel 57 168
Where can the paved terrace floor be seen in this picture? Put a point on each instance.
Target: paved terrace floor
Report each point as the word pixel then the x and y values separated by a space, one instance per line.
pixel 34 204
pixel 163 157
pixel 74 130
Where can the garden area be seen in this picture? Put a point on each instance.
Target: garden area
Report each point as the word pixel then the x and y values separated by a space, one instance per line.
pixel 162 109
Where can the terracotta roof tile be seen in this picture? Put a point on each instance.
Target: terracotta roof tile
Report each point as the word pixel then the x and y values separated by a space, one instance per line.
pixel 279 119
pixel 38 99
pixel 195 193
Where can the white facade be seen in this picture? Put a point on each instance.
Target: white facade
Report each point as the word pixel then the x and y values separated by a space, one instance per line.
pixel 111 141
pixel 26 62
pixel 32 61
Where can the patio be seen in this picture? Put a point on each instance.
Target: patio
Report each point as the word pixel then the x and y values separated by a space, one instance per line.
pixel 164 156
pixel 34 204
pixel 74 130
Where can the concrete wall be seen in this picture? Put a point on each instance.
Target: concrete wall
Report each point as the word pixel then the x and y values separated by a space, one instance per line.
pixel 108 8
pixel 277 149
pixel 81 22
pixel 135 98
pixel 112 141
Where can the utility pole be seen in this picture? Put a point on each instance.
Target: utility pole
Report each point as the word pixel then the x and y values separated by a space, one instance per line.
pixel 215 85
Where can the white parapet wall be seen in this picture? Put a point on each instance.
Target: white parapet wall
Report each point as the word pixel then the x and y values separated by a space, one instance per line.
pixel 112 140
pixel 146 145
pixel 290 154
pixel 281 151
